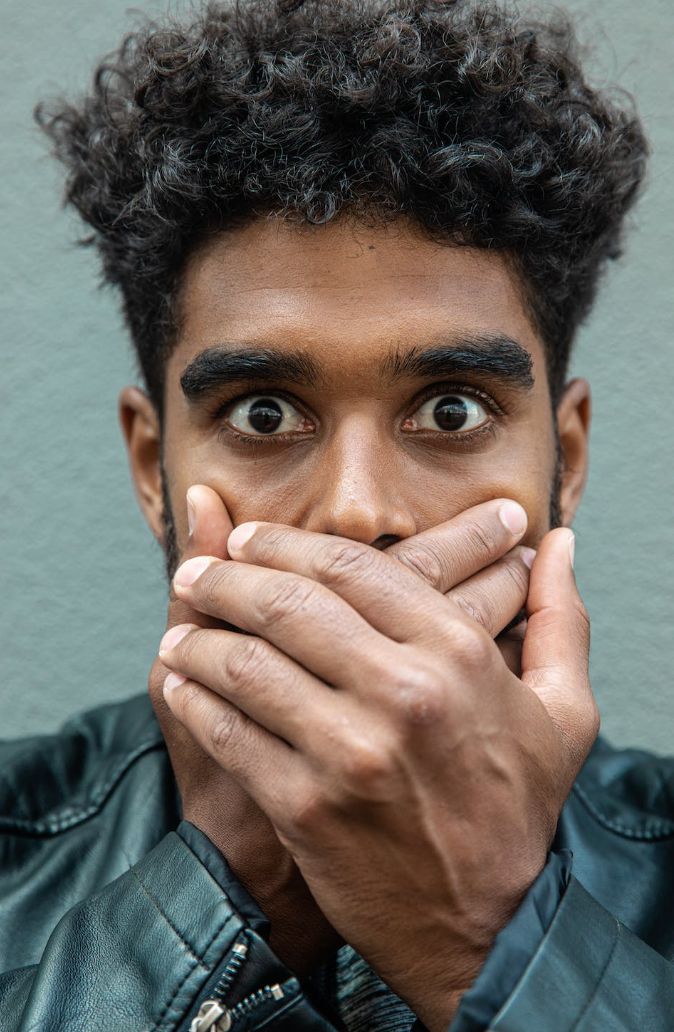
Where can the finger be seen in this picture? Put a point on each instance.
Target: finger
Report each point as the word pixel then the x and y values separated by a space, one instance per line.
pixel 556 646
pixel 443 556
pixel 450 553
pixel 494 597
pixel 301 617
pixel 258 760
pixel 262 682
pixel 385 586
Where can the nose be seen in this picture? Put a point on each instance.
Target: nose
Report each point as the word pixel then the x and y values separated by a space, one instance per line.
pixel 359 493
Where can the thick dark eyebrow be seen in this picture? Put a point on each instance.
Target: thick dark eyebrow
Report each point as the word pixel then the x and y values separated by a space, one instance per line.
pixel 496 357
pixel 229 363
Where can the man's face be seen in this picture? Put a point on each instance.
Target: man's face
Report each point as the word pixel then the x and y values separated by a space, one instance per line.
pixel 352 380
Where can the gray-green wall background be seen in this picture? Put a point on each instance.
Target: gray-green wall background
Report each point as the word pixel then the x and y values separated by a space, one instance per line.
pixel 82 596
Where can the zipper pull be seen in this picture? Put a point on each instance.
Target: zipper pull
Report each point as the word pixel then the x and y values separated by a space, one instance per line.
pixel 209 1013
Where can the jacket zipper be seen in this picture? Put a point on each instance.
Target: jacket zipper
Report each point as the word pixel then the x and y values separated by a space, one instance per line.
pixel 214 1015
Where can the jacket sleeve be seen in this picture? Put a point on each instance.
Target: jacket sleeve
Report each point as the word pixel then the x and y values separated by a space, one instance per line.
pixel 584 970
pixel 152 947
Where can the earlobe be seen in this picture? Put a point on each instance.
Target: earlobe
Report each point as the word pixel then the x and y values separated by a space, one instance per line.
pixel 573 427
pixel 142 432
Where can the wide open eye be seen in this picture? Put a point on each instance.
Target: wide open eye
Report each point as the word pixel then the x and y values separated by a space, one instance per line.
pixel 265 414
pixel 453 413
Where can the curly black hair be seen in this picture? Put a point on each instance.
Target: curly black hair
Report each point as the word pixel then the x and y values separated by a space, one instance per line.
pixel 461 114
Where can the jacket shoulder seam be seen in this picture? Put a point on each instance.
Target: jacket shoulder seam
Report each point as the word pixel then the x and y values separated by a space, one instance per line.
pixel 69 816
pixel 653 829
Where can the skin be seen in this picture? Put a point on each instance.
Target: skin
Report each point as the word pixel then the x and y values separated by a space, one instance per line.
pixel 321 772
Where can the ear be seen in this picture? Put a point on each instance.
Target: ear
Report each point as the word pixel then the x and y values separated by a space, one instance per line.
pixel 573 426
pixel 142 432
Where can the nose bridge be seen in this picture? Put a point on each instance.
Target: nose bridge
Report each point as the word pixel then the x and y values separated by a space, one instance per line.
pixel 359 490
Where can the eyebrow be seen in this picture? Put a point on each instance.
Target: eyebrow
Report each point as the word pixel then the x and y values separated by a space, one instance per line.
pixel 231 363
pixel 496 356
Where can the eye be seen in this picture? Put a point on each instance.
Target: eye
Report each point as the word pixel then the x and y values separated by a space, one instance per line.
pixel 453 413
pixel 265 414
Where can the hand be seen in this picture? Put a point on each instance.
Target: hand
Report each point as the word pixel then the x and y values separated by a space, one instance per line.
pixel 216 802
pixel 401 767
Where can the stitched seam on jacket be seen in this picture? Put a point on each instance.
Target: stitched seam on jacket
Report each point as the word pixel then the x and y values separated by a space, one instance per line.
pixel 191 966
pixel 658 829
pixel 594 992
pixel 69 817
pixel 173 928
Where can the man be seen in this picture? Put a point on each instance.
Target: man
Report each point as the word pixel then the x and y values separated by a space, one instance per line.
pixel 354 242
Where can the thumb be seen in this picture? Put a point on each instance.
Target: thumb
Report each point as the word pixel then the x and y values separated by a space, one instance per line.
pixel 555 654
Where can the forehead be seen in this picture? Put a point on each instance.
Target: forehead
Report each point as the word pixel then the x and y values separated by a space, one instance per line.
pixel 346 290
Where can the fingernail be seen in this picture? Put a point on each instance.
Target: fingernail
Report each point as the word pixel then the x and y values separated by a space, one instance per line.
pixel 189 572
pixel 528 556
pixel 173 681
pixel 239 536
pixel 572 546
pixel 173 636
pixel 513 517
pixel 191 515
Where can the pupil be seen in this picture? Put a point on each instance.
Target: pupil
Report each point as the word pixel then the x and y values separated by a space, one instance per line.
pixel 450 413
pixel 265 415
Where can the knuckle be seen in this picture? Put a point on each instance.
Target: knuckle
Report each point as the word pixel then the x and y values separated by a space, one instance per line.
pixel 482 540
pixel 284 599
pixel 468 646
pixel 246 661
pixel 186 701
pixel 518 574
pixel 367 766
pixel 306 812
pixel 481 614
pixel 224 728
pixel 424 562
pixel 419 697
pixel 269 545
pixel 209 587
pixel 348 558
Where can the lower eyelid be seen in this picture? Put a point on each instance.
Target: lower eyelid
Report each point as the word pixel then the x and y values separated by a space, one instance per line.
pixel 457 437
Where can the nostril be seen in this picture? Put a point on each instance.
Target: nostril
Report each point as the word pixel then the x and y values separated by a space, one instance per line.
pixel 384 540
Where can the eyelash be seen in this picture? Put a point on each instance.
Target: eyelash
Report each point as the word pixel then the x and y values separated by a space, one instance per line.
pixel 468 437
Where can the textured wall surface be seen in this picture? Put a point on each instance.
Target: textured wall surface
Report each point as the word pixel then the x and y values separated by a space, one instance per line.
pixel 82 601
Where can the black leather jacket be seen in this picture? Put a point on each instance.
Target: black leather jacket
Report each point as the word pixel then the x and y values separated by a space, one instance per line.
pixel 114 915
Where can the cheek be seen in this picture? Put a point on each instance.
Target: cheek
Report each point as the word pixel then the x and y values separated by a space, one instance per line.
pixel 448 498
pixel 525 474
pixel 269 499
pixel 250 489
